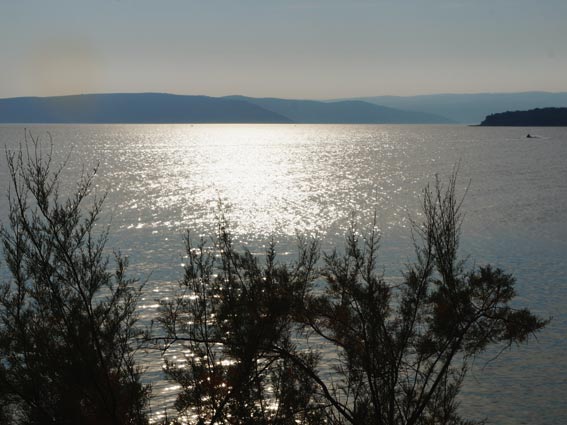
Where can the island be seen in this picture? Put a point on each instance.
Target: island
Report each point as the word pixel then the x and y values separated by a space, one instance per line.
pixel 539 117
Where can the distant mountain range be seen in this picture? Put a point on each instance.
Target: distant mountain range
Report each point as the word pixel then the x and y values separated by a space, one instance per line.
pixel 133 108
pixel 534 117
pixel 471 108
pixel 168 108
pixel 342 111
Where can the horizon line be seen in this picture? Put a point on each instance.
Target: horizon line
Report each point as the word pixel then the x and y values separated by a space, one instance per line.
pixel 290 98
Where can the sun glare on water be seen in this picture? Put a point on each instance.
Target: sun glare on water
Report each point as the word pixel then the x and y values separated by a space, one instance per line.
pixel 266 179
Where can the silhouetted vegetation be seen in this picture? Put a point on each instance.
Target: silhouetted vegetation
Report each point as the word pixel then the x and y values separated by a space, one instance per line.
pixel 249 339
pixel 237 329
pixel 533 117
pixel 262 342
pixel 66 322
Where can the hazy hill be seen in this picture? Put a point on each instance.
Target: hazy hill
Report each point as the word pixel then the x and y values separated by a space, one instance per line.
pixel 346 111
pixel 533 117
pixel 133 108
pixel 167 108
pixel 471 108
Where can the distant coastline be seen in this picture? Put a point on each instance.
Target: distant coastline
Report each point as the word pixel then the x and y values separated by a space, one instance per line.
pixel 539 117
pixel 162 108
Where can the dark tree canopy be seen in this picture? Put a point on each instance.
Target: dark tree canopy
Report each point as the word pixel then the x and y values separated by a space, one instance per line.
pixel 66 321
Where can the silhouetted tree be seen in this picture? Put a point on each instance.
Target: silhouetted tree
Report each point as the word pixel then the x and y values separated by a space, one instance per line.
pixel 231 314
pixel 249 334
pixel 404 349
pixel 66 322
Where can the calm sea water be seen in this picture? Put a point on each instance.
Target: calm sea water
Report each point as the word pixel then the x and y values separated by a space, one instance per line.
pixel 280 180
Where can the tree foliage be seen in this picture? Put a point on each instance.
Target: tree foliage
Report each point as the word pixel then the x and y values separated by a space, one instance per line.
pixel 263 342
pixel 66 321
pixel 231 327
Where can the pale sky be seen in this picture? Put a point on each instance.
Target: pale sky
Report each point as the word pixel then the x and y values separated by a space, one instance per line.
pixel 282 48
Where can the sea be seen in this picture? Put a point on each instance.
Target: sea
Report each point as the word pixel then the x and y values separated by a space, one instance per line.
pixel 285 181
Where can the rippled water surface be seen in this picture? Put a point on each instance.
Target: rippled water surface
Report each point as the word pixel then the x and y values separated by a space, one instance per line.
pixel 280 180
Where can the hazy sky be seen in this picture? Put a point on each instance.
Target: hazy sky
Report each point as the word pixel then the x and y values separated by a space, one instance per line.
pixel 282 48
